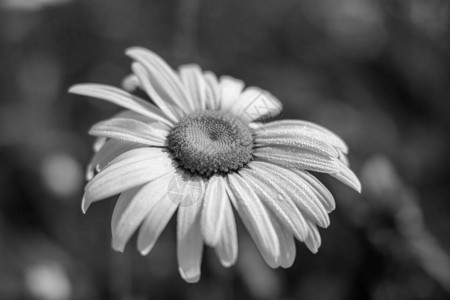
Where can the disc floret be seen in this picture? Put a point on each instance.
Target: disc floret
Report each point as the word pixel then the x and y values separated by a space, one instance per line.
pixel 211 142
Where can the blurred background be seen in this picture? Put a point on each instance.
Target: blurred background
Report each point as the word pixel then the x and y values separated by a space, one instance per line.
pixel 375 72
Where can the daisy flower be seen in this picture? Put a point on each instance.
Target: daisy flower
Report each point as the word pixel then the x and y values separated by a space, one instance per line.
pixel 203 151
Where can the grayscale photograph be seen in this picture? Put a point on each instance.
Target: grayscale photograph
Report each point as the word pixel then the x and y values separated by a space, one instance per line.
pixel 225 149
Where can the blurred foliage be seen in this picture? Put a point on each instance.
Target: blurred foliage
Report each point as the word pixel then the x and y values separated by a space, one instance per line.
pixel 375 72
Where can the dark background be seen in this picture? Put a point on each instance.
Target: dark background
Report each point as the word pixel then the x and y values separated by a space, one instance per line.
pixel 375 72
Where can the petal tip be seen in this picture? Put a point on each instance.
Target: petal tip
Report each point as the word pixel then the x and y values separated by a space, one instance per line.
pixel 135 51
pixel 130 83
pixel 287 262
pixel 325 224
pixel 227 264
pixel 348 177
pixel 130 50
pixel 190 276
pixel 144 252
pixel 312 246
pixel 85 204
pixel 142 247
pixel 74 89
pixel 359 187
pixel 314 250
pixel 356 185
pixel 89 172
pixel 117 245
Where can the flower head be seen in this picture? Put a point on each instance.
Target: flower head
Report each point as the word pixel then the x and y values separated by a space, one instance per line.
pixel 202 150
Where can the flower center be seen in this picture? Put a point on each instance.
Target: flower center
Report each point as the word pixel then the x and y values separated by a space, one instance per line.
pixel 211 142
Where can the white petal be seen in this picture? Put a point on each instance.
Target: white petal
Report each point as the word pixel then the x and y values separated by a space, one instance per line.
pixel 305 160
pixel 164 80
pixel 300 192
pixel 130 83
pixel 154 223
pixel 213 212
pixel 256 218
pixel 301 128
pixel 107 153
pixel 190 244
pixel 132 207
pixel 313 241
pixel 129 114
pixel 230 90
pixel 301 143
pixel 149 86
pixel 185 189
pixel 131 130
pixel 212 91
pixel 270 190
pixel 345 175
pixel 256 104
pixel 122 98
pixel 287 244
pixel 194 82
pixel 122 203
pixel 132 168
pixel 343 158
pixel 227 248
pixel 323 194
pixel 312 161
pixel 98 144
